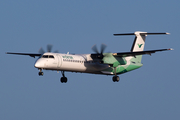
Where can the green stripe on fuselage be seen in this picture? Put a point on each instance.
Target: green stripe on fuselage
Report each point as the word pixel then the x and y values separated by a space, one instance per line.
pixel 126 68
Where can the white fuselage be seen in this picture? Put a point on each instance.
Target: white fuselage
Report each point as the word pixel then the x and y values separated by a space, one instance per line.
pixel 68 62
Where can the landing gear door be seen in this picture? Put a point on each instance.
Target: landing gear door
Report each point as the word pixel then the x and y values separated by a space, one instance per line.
pixel 59 62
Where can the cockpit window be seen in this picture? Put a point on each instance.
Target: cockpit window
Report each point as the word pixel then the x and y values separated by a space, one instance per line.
pixel 51 56
pixel 47 56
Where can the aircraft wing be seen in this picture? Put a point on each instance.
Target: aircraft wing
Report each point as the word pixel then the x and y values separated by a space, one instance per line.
pixel 149 52
pixel 30 54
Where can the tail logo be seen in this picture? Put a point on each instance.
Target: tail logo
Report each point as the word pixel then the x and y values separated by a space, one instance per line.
pixel 140 45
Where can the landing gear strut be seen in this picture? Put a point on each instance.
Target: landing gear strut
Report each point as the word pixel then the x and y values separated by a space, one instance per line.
pixel 115 78
pixel 40 72
pixel 63 79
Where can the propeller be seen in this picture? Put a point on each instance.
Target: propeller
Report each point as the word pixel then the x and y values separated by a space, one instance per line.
pixel 49 49
pixel 41 51
pixel 98 55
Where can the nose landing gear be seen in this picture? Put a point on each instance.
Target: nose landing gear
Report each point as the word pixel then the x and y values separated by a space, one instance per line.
pixel 40 72
pixel 63 79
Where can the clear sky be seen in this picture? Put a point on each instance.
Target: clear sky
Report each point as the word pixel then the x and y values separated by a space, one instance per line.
pixel 148 93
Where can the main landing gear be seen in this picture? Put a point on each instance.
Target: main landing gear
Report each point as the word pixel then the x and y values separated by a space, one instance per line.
pixel 40 72
pixel 115 78
pixel 63 79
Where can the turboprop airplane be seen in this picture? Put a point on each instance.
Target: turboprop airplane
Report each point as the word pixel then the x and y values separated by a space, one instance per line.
pixel 95 63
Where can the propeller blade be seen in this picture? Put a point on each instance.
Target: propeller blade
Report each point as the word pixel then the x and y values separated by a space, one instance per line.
pixel 98 55
pixel 56 51
pixel 103 47
pixel 94 48
pixel 49 47
pixel 41 51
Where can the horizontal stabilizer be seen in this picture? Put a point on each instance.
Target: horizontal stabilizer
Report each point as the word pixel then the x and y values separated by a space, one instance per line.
pixel 30 54
pixel 126 54
pixel 141 34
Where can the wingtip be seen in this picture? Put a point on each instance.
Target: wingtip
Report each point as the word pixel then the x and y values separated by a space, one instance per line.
pixel 167 33
pixel 170 49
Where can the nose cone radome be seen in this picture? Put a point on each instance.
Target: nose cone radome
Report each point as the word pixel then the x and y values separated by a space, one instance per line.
pixel 38 64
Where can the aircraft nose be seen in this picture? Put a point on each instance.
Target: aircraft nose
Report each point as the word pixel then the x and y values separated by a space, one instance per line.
pixel 38 64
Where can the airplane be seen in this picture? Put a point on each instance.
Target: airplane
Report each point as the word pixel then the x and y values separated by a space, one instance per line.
pixel 95 63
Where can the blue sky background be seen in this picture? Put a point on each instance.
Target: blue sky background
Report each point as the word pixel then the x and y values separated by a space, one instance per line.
pixel 151 92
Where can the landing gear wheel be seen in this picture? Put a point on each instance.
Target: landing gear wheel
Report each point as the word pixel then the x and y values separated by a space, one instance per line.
pixel 115 78
pixel 63 79
pixel 41 73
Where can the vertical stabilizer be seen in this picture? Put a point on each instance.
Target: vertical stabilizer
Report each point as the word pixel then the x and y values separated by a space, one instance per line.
pixel 138 44
pixel 139 41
